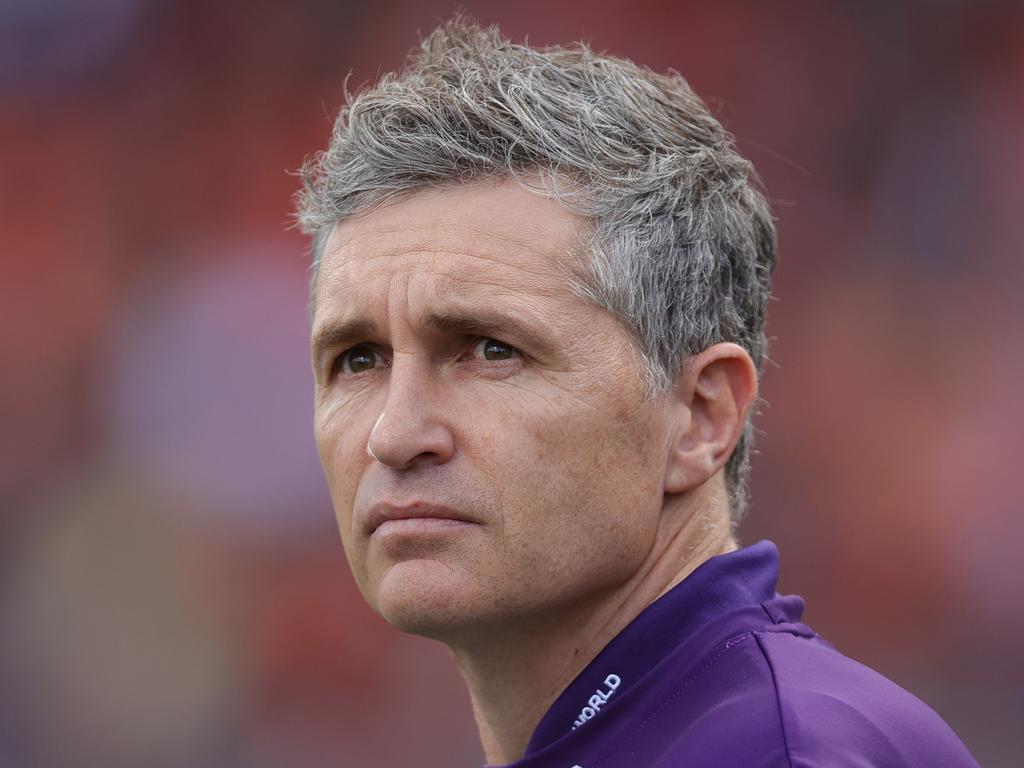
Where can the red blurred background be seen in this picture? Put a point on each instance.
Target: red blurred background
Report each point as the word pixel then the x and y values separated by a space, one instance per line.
pixel 173 592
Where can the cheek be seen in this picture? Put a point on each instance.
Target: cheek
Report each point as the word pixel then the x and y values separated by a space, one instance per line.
pixel 601 444
pixel 341 445
pixel 580 488
pixel 342 463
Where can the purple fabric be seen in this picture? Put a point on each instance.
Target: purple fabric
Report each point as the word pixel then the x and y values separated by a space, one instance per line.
pixel 720 672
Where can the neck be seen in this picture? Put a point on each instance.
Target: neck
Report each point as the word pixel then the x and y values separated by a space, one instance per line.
pixel 515 674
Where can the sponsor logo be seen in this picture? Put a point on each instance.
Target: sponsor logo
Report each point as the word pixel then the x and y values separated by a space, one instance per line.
pixel 598 700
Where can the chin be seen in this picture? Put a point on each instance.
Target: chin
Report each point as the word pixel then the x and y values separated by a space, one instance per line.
pixel 428 598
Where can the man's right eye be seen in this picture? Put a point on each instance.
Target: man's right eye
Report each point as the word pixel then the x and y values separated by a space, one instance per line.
pixel 358 359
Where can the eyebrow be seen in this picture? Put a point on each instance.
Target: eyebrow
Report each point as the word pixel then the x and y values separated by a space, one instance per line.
pixel 334 335
pixel 489 322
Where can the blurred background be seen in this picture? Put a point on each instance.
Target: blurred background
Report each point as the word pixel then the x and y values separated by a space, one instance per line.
pixel 172 588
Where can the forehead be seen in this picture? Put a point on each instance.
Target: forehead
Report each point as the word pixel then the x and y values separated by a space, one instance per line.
pixel 496 236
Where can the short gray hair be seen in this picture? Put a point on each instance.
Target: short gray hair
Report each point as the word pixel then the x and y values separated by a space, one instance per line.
pixel 683 244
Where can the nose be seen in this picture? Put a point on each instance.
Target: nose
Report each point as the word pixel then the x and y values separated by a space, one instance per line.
pixel 412 429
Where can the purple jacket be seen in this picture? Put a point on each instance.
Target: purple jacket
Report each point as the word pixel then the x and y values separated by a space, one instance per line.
pixel 720 672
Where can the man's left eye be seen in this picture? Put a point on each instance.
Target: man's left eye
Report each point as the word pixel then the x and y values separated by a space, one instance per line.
pixel 494 350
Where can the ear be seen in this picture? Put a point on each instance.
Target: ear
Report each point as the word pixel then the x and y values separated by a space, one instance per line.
pixel 713 394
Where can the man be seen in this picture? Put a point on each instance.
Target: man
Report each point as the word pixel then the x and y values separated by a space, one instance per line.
pixel 538 310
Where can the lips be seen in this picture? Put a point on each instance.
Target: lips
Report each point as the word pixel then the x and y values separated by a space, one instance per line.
pixel 382 513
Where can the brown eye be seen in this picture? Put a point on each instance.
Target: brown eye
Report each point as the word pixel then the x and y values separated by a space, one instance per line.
pixel 359 359
pixel 492 349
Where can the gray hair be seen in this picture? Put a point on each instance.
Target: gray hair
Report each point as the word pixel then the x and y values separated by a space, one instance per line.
pixel 682 246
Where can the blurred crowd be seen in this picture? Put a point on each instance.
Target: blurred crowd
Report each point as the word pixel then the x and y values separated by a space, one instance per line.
pixel 172 588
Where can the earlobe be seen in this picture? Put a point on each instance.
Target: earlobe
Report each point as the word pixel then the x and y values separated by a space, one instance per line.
pixel 713 394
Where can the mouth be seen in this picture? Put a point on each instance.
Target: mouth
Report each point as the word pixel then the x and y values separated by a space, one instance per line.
pixel 415 517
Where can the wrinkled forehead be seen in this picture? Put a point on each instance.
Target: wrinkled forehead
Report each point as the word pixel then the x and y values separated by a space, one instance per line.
pixel 497 232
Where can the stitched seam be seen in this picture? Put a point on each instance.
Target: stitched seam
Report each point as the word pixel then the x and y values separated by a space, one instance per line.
pixel 640 726
pixel 778 699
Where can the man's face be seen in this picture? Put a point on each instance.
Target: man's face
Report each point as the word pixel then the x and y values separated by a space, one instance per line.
pixel 517 465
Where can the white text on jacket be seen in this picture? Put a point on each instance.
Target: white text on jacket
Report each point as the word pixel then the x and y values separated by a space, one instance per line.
pixel 598 700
